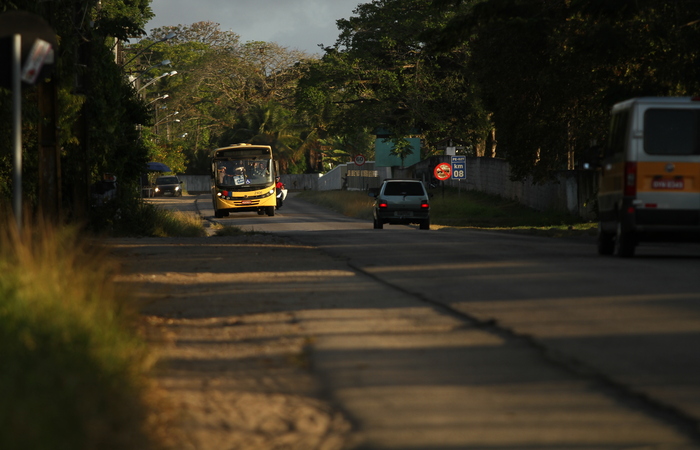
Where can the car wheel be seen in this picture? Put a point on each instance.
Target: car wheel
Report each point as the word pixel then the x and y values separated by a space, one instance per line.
pixel 425 224
pixel 624 242
pixel 606 242
pixel 378 224
pixel 270 210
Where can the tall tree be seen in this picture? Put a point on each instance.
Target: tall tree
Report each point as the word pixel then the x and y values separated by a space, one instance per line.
pixel 97 112
pixel 379 75
pixel 270 124
pixel 219 80
pixel 549 71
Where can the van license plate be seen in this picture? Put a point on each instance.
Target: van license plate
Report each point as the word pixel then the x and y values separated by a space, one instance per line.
pixel 667 183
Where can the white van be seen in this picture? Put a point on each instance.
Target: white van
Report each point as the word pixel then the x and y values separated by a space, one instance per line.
pixel 650 174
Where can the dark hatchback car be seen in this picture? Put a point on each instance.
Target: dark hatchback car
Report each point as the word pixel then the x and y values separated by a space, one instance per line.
pixel 169 185
pixel 401 202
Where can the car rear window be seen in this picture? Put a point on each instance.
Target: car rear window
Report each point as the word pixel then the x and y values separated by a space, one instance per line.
pixel 403 188
pixel 166 180
pixel 671 132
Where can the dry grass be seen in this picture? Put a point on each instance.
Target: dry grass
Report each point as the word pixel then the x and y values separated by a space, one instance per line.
pixel 470 209
pixel 74 371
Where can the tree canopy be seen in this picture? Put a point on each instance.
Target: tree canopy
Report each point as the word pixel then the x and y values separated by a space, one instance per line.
pixel 220 81
pixel 539 77
pixel 379 75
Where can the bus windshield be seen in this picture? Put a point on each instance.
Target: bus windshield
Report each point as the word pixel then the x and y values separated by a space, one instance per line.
pixel 243 172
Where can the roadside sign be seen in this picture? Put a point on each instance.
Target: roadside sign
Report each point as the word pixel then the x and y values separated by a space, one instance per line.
pixel 443 171
pixel 359 160
pixel 459 167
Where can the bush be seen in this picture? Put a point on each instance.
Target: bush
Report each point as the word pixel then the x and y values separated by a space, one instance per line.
pixel 74 371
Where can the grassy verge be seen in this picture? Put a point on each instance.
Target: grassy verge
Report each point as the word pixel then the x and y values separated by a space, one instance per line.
pixel 147 219
pixel 470 209
pixel 74 373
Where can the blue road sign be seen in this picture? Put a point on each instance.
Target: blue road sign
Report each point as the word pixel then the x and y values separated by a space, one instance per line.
pixel 459 167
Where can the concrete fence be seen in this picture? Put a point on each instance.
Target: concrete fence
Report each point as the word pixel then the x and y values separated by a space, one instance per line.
pixel 196 184
pixel 573 191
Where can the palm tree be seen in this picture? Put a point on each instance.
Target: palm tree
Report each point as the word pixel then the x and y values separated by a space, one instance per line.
pixel 269 124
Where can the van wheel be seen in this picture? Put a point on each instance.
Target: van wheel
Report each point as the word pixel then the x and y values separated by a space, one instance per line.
pixel 606 242
pixel 624 243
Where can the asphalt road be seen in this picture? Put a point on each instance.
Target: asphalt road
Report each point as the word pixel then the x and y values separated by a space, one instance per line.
pixel 473 339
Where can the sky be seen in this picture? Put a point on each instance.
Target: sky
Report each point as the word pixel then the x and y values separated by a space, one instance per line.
pixel 296 24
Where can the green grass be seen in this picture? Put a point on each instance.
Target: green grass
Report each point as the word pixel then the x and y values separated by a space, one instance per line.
pixel 74 372
pixel 466 209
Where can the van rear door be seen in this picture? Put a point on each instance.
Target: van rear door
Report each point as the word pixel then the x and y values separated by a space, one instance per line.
pixel 668 165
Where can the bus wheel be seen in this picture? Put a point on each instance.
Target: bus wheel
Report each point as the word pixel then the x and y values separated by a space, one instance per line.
pixel 270 210
pixel 261 211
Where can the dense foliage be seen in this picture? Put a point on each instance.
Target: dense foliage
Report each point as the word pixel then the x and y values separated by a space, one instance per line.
pixel 96 112
pixel 379 76
pixel 225 91
pixel 537 76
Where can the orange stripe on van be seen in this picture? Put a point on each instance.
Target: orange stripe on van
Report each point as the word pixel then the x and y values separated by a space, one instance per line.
pixel 668 177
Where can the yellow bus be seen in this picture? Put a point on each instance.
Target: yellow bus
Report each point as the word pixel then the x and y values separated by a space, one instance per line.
pixel 243 179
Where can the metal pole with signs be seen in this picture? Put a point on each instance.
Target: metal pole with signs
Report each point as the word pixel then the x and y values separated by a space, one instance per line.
pixel 359 162
pixel 27 46
pixel 17 129
pixel 459 170
pixel 442 172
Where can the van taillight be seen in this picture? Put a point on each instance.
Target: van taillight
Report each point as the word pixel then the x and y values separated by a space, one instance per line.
pixel 630 179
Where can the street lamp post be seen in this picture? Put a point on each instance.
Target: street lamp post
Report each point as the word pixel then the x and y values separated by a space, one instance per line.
pixel 166 74
pixel 163 39
pixel 162 97
pixel 165 62
pixel 155 126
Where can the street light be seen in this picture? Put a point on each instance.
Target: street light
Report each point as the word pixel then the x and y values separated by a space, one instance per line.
pixel 165 62
pixel 163 39
pixel 166 74
pixel 163 97
pixel 166 118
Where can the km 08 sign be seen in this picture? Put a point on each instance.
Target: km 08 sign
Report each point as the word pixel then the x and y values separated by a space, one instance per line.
pixel 459 167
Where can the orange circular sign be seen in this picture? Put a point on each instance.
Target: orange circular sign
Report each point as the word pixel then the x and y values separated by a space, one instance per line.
pixel 443 171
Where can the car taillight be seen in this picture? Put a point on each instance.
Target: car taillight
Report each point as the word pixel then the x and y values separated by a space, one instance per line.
pixel 630 186
pixel 424 204
pixel 383 204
